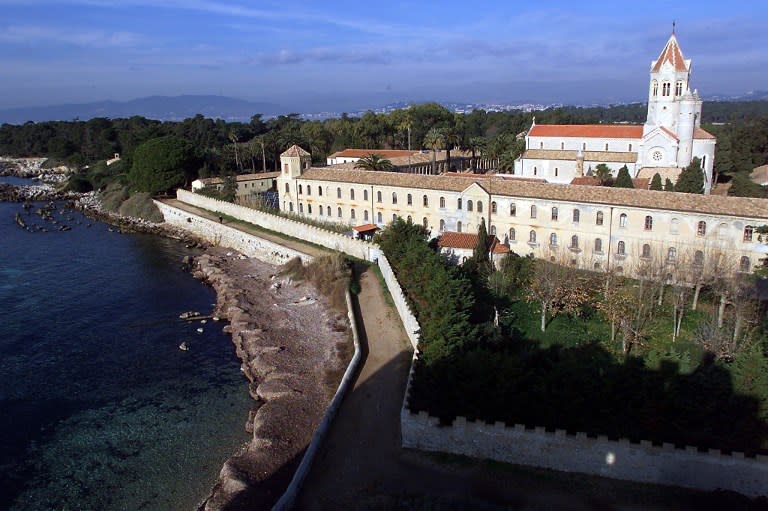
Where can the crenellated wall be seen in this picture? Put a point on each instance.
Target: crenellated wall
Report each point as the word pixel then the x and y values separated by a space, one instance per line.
pixel 348 245
pixel 229 237
pixel 618 459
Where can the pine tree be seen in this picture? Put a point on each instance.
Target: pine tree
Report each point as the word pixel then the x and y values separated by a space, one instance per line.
pixel 691 179
pixel 622 179
pixel 668 186
pixel 656 182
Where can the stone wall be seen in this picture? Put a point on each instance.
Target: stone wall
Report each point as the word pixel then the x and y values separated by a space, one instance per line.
pixel 558 450
pixel 222 235
pixel 299 230
pixel 410 323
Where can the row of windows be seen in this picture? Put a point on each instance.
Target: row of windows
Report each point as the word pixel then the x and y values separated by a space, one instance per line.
pixel 701 227
pixel 666 88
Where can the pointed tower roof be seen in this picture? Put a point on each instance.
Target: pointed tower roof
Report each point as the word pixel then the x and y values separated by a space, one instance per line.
pixel 295 151
pixel 672 54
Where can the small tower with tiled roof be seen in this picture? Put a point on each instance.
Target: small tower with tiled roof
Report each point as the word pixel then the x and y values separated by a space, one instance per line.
pixel 293 161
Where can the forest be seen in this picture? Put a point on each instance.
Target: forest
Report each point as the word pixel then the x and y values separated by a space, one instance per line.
pixel 681 360
pixel 226 148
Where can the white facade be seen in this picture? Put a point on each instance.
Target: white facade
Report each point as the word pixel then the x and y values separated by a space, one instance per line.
pixel 669 139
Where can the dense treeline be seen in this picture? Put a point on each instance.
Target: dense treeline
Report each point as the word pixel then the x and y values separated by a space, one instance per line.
pixel 548 345
pixel 224 148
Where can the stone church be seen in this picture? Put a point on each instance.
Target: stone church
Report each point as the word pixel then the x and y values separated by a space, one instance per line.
pixel 665 144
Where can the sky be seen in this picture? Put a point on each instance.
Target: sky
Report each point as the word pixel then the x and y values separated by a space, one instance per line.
pixel 335 55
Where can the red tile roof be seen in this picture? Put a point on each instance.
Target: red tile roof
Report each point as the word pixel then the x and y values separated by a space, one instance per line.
pixel 672 54
pixel 585 181
pixel 700 133
pixel 468 241
pixel 362 153
pixel 587 130
pixel 365 228
pixel 295 151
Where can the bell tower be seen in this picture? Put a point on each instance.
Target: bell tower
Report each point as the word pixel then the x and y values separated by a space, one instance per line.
pixel 669 83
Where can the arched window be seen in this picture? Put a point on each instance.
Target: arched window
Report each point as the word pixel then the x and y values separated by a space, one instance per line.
pixel 679 88
pixel 556 171
pixel 425 201
pixel 328 210
pixel 535 170
pixel 365 215
pixel 379 218
pixel 671 255
pixel 493 230
pixel 394 217
pixel 541 145
pixel 748 230
pixel 394 198
pixel 493 207
pixel 596 266
pixel 290 207
pixel 511 234
pixel 620 248
pixel 599 245
pixel 410 220
pixel 338 193
pixel 599 218
pixel 655 88
pixel 424 222
pixel 665 88
pixel 513 209
pixel 674 226
pixel 410 199
pixel 698 258
pixel 378 196
pixel 583 146
pixel 309 190
pixel 532 237
pixel 479 206
pixel 623 220
pixel 701 228
pixel 574 242
pixel 629 148
pixel 470 205
pixel 442 202
pixel 320 210
pixel 722 230
pixel 352 193
pixel 533 211
pixel 553 239
pixel 606 146
pixel 365 195
pixel 442 225
pixel 648 223
pixel 576 216
pixel 458 203
pixel 300 190
pixel 352 214
pixel 339 213
pixel 458 226
pixel 554 213
pixel 287 188
pixel 744 264
pixel 562 145
pixel 301 208
pixel 646 250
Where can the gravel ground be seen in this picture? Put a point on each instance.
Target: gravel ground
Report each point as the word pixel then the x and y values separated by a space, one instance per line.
pixel 293 349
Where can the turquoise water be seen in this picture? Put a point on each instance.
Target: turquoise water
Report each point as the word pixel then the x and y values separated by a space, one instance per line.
pixel 99 409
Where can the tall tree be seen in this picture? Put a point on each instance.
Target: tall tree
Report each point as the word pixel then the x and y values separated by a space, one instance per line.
pixel 656 182
pixel 603 173
pixel 668 186
pixel 691 179
pixel 434 140
pixel 162 164
pixel 480 254
pixel 623 180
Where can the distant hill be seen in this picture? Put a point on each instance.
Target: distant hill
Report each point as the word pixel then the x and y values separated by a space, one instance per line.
pixel 164 108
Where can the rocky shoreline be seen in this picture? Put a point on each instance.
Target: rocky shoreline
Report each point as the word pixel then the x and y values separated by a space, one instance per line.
pixel 293 349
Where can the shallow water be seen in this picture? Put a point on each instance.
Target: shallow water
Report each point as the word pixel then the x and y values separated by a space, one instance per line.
pixel 99 407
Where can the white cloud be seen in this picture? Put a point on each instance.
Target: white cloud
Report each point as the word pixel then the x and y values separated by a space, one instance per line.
pixel 32 34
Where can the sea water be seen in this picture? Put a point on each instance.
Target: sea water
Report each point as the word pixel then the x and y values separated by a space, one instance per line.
pixel 99 408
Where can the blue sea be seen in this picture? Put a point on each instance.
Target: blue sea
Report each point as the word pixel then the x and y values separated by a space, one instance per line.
pixel 99 409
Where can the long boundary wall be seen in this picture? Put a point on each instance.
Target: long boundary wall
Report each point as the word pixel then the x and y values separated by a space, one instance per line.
pixel 222 235
pixel 335 241
pixel 618 459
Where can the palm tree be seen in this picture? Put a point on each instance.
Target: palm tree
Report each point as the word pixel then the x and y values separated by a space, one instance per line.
pixel 451 138
pixel 374 162
pixel 507 161
pixel 434 140
pixel 476 144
